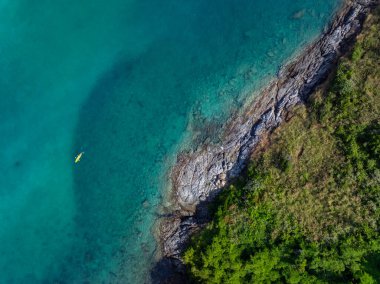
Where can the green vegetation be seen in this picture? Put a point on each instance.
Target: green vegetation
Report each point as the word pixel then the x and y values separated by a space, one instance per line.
pixel 308 209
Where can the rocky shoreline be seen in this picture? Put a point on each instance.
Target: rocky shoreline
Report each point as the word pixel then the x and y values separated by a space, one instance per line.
pixel 199 176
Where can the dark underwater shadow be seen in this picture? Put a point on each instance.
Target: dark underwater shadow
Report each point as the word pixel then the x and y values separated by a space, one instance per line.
pixel 120 130
pixel 97 219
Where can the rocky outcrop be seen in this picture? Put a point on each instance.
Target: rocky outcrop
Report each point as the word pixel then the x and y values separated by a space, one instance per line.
pixel 198 176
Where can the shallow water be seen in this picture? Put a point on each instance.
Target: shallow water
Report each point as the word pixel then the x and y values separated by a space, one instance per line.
pixel 119 80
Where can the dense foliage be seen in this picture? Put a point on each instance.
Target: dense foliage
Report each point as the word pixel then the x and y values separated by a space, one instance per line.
pixel 308 209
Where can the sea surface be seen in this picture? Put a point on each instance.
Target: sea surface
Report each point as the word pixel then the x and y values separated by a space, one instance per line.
pixel 123 81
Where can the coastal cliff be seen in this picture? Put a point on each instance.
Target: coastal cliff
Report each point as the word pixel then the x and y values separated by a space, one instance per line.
pixel 199 176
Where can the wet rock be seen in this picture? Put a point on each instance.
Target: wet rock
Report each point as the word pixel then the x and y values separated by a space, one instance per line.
pixel 145 204
pixel 270 54
pixel 299 14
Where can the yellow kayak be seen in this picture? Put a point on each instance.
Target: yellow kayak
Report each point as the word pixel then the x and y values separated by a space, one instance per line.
pixel 78 157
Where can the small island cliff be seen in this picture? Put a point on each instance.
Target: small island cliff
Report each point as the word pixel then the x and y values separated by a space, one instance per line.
pixel 200 175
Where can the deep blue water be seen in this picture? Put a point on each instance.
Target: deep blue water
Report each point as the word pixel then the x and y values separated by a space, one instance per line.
pixel 121 81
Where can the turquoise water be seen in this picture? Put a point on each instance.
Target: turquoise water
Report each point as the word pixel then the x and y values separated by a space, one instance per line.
pixel 119 80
